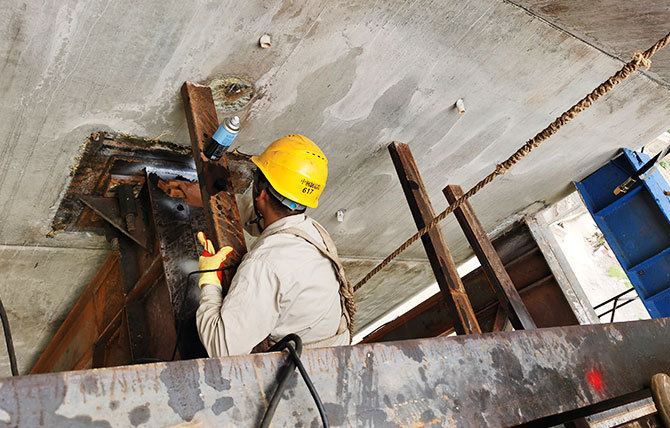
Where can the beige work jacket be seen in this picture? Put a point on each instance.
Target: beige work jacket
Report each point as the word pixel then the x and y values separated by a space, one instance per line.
pixel 283 285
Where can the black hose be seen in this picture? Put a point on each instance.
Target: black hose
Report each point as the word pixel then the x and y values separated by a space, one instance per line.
pixel 188 277
pixel 188 280
pixel 8 340
pixel 285 374
pixel 283 377
pixel 310 386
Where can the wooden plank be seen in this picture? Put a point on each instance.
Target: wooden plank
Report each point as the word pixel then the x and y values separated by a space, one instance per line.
pixel 223 218
pixel 438 253
pixel 503 286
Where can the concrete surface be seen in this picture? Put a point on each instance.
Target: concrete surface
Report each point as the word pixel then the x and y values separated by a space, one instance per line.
pixel 39 287
pixel 350 75
pixel 619 28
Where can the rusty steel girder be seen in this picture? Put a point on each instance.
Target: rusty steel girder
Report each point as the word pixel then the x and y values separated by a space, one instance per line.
pixel 537 377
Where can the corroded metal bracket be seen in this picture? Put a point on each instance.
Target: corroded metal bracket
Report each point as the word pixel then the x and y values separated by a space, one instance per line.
pixel 176 225
pixel 141 303
pixel 444 267
pixel 531 275
pixel 539 377
pixel 223 219
pixel 108 209
pixel 509 298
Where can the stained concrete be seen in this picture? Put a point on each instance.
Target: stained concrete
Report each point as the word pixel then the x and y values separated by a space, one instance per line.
pixel 351 75
pixel 408 276
pixel 39 287
pixel 619 28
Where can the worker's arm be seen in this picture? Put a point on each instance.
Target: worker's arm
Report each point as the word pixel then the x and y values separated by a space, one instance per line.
pixel 234 325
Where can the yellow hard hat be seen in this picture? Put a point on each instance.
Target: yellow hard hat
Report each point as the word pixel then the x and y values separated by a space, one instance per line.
pixel 296 168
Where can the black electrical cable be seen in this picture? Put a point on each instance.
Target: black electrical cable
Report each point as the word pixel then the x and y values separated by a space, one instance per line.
pixel 8 340
pixel 188 280
pixel 285 374
pixel 310 386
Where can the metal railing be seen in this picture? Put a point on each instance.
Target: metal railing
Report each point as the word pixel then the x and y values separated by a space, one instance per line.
pixel 615 306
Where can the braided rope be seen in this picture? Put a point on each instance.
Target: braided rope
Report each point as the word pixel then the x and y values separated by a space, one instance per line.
pixel 347 290
pixel 640 59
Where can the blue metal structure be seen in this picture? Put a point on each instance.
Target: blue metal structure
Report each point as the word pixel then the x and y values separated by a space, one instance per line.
pixel 635 224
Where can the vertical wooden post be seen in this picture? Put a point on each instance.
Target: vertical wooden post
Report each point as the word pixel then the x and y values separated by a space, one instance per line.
pixel 438 253
pixel 509 298
pixel 223 218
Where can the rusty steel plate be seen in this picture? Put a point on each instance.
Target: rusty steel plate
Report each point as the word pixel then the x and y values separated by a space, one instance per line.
pixel 496 379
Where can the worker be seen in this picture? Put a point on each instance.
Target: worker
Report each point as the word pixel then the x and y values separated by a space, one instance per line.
pixel 291 280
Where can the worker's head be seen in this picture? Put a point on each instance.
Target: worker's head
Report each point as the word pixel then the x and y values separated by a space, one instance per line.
pixel 296 170
pixel 268 203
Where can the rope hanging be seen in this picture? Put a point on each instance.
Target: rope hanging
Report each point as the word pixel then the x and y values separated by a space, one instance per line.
pixel 640 59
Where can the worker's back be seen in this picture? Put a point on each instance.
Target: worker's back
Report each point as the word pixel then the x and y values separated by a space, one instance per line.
pixel 283 285
pixel 308 298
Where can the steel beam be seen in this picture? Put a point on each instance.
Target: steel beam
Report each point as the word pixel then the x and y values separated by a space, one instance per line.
pixel 97 307
pixel 223 219
pixel 561 269
pixel 647 421
pixel 108 209
pixel 509 298
pixel 436 248
pixel 537 377
pixel 530 273
pixel 176 225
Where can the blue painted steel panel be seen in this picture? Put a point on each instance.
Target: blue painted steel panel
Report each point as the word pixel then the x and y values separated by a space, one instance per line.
pixel 653 275
pixel 636 225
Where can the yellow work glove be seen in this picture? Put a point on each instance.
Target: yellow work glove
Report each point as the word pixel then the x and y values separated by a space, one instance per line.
pixel 211 259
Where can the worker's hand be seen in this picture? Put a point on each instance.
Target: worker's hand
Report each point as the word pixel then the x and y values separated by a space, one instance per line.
pixel 211 259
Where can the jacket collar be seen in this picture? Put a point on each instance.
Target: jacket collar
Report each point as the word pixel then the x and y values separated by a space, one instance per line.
pixel 284 223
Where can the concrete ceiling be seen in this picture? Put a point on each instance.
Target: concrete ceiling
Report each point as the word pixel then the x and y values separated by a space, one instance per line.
pixel 616 27
pixel 352 76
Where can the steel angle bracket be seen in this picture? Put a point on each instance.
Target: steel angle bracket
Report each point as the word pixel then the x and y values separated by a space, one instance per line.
pixel 108 209
pixel 176 225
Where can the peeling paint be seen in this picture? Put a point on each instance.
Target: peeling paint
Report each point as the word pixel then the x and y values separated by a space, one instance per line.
pixel 374 385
